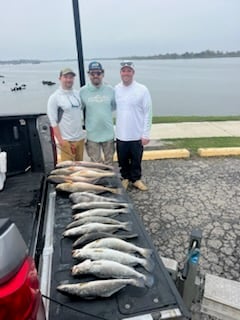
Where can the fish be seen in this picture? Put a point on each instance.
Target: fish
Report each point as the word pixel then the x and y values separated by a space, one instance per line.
pixel 83 172
pixel 91 236
pixel 84 186
pixel 100 212
pixel 62 171
pixel 88 164
pixel 119 244
pixel 56 179
pixel 97 173
pixel 110 269
pixel 95 205
pixel 113 255
pixel 88 219
pixel 77 197
pixel 98 288
pixel 96 226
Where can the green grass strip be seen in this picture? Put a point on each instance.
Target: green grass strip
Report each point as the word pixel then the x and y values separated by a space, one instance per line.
pixel 177 119
pixel 192 144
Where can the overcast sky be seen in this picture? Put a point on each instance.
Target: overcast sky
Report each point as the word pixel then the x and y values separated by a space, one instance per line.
pixel 44 29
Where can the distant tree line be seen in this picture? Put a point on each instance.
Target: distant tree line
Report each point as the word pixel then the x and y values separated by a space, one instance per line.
pixel 20 61
pixel 189 55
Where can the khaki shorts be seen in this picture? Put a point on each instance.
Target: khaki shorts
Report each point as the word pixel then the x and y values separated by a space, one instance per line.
pixel 72 150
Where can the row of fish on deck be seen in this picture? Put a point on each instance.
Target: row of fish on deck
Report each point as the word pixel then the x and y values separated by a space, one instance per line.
pixel 104 251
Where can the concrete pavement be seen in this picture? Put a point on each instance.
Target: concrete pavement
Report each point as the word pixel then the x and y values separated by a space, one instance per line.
pixel 195 129
pixel 195 194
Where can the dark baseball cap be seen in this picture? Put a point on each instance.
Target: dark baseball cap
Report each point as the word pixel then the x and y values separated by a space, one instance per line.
pixel 94 65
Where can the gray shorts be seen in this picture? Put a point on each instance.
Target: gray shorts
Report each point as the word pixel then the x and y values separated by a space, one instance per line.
pixel 101 151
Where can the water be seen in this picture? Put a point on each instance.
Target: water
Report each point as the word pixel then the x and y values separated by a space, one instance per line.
pixel 178 87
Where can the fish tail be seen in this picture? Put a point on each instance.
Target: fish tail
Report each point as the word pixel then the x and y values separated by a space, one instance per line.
pixel 115 190
pixel 139 282
pixel 146 253
pixel 148 264
pixel 149 280
pixel 123 210
pixel 127 226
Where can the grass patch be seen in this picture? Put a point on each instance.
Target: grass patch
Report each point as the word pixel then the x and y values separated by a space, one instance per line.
pixel 177 119
pixel 192 144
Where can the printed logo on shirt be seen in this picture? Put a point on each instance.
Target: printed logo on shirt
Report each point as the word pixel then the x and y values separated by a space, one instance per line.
pixel 98 99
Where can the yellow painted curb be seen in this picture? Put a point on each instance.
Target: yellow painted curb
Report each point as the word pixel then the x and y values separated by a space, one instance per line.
pixel 163 154
pixel 216 152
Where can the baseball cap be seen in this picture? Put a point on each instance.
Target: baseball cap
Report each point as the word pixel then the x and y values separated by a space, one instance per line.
pixel 127 63
pixel 67 71
pixel 94 65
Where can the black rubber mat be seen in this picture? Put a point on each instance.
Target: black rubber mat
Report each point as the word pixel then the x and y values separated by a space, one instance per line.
pixel 19 201
pixel 128 302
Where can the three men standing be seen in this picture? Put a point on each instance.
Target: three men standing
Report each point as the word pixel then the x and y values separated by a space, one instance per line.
pixel 133 105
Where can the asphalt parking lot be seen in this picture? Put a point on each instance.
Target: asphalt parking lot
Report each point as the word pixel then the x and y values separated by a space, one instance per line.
pixel 202 193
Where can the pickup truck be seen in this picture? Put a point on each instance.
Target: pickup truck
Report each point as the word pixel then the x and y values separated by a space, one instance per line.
pixel 29 204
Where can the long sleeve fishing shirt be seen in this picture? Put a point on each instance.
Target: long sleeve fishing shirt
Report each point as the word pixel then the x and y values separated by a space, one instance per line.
pixel 99 103
pixel 64 109
pixel 134 112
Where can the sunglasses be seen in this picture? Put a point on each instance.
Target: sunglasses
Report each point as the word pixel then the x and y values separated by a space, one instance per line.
pixel 126 64
pixel 95 73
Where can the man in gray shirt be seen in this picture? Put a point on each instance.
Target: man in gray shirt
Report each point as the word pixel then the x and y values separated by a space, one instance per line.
pixel 65 115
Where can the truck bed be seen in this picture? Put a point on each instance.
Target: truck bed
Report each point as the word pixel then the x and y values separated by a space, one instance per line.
pixel 128 302
pixel 19 201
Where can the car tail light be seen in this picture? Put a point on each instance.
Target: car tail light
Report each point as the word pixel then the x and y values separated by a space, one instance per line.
pixel 20 297
pixel 54 147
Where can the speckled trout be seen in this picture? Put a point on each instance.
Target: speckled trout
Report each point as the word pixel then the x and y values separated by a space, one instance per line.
pixel 84 186
pixel 110 269
pixel 98 288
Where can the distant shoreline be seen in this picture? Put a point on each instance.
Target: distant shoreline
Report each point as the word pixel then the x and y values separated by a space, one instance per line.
pixel 207 54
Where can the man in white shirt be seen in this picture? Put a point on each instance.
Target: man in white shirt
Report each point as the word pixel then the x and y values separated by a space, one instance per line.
pixel 133 124
pixel 65 115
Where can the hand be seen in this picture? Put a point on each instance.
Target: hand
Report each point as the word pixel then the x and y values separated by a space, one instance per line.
pixel 61 142
pixel 145 141
pixel 73 148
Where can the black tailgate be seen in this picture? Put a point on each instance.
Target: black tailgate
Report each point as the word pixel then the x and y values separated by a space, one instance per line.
pixel 128 302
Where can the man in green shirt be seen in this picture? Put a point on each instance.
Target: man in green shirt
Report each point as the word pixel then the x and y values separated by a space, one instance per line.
pixel 98 102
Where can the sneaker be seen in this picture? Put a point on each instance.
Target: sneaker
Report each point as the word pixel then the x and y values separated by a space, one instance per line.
pixel 140 185
pixel 125 183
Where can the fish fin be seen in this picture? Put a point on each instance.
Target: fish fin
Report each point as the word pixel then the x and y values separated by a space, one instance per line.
pixel 67 180
pixel 128 236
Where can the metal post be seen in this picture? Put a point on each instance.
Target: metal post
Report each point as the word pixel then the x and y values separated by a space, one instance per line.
pixel 78 42
pixel 189 283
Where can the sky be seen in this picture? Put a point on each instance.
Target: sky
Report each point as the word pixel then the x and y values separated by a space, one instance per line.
pixel 44 29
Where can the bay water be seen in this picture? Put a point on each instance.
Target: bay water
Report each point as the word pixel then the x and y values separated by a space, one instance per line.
pixel 178 87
